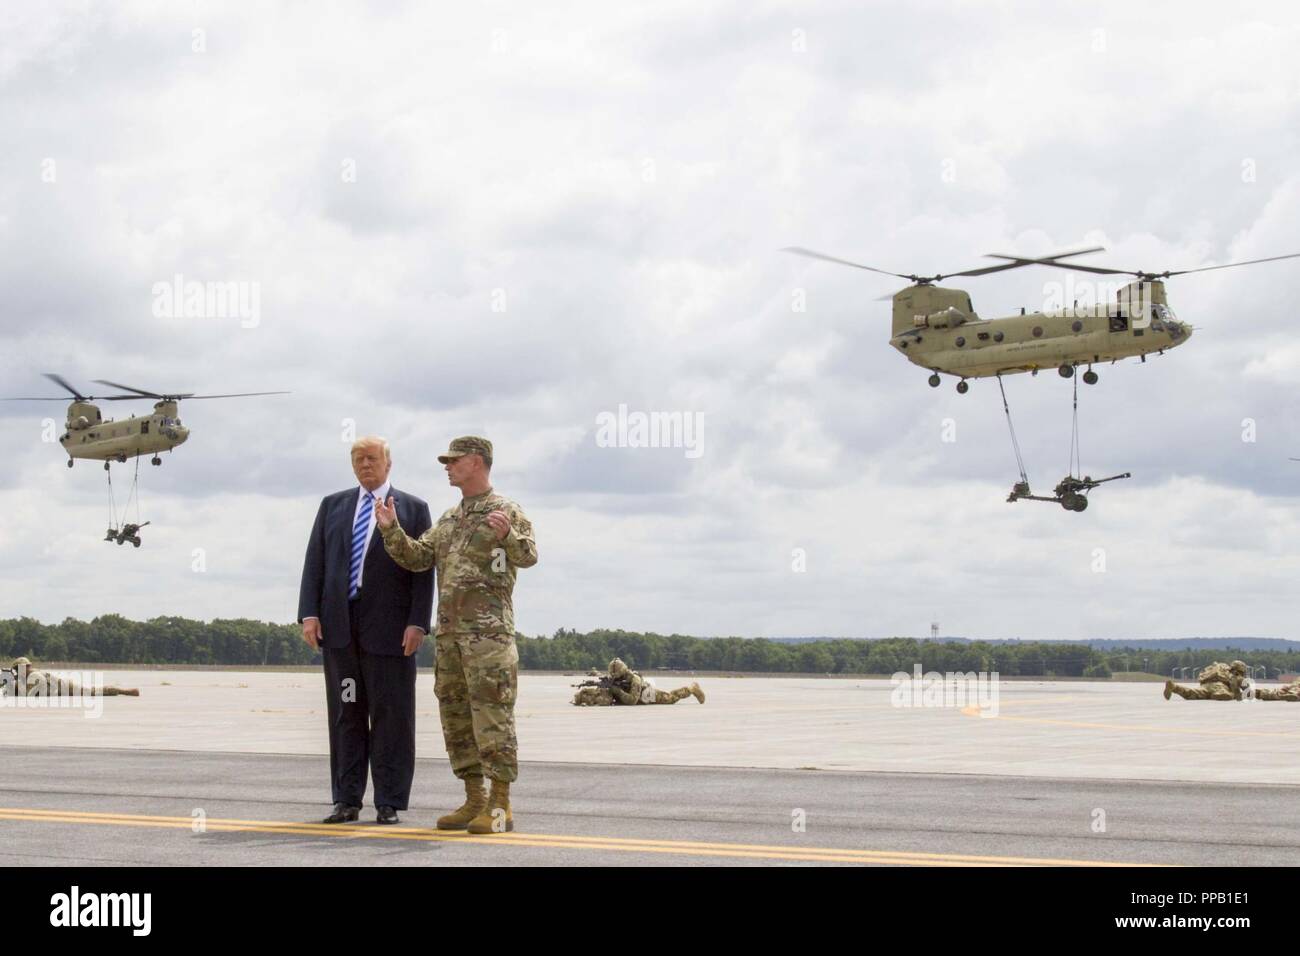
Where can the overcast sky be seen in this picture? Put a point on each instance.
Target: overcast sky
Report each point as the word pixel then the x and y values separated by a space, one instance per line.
pixel 507 220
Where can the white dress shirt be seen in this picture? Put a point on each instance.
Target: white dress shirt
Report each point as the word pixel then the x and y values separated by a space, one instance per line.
pixel 381 493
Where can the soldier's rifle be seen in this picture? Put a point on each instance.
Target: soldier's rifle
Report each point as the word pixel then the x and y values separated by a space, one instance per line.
pixel 606 683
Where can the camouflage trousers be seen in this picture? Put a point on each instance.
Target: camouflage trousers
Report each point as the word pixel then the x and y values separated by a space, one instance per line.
pixel 476 684
pixel 1290 692
pixel 600 697
pixel 1210 691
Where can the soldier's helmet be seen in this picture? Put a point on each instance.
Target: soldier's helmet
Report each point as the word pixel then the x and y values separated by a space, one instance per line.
pixel 1238 667
pixel 617 667
pixel 20 662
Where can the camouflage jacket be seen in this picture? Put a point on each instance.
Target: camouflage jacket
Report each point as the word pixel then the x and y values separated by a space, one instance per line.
pixel 636 690
pixel 1220 673
pixel 476 572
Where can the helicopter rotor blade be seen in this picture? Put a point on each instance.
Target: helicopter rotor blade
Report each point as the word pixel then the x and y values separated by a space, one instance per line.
pixel 1230 265
pixel 127 388
pixel 800 251
pixel 1139 273
pixel 1056 261
pixel 60 380
pixel 238 394
pixel 1015 263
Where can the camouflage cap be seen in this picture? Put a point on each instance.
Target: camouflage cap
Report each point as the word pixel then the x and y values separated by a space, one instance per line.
pixel 1239 666
pixel 468 445
pixel 616 666
pixel 20 662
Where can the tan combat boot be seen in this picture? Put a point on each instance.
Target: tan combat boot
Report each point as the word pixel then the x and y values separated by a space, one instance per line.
pixel 1169 688
pixel 697 693
pixel 475 801
pixel 495 817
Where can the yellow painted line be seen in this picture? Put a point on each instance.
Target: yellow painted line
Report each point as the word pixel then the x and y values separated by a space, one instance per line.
pixel 553 841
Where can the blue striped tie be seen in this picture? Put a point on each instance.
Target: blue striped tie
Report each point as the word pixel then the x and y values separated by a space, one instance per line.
pixel 360 531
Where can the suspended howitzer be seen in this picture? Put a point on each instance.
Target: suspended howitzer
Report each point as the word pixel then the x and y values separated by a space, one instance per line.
pixel 1070 493
pixel 129 532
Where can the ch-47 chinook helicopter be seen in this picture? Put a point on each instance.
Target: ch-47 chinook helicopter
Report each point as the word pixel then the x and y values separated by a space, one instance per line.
pixel 89 435
pixel 938 329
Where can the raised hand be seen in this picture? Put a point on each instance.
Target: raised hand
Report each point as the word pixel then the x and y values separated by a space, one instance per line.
pixel 385 512
pixel 500 523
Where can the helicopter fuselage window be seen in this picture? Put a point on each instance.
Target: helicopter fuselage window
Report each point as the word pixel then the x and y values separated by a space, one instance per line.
pixel 1118 323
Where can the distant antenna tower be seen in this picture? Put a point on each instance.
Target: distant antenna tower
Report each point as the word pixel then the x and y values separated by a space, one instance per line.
pixel 934 631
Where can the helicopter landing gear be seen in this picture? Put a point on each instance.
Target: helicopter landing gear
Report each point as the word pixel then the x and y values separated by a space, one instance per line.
pixel 933 380
pixel 106 466
pixel 1090 377
pixel 155 460
pixel 1066 371
pixel 69 462
pixel 962 387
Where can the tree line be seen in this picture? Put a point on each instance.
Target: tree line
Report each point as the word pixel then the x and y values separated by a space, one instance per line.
pixel 113 639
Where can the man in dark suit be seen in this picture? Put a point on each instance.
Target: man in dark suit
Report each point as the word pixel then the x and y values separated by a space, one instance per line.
pixel 367 617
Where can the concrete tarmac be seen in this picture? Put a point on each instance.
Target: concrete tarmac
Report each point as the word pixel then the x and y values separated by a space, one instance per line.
pixel 231 767
pixel 98 806
pixel 1084 730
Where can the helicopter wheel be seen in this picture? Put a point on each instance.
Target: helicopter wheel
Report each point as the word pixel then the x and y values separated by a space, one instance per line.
pixel 155 460
pixel 1090 377
pixel 69 462
pixel 1066 371
pixel 934 381
pixel 962 387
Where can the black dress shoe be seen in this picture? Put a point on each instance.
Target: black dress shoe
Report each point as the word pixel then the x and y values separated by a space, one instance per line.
pixel 342 814
pixel 387 815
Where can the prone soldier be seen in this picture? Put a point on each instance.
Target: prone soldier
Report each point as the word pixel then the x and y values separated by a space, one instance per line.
pixel 27 681
pixel 622 685
pixel 1219 681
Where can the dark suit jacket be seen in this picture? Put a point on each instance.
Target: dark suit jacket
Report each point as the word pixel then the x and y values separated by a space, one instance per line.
pixel 391 598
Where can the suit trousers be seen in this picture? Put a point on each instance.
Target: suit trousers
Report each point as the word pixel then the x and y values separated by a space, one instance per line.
pixel 370 702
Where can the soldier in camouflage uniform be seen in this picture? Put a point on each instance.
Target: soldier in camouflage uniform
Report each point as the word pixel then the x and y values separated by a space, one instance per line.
pixel 29 682
pixel 477 548
pixel 631 688
pixel 1218 682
